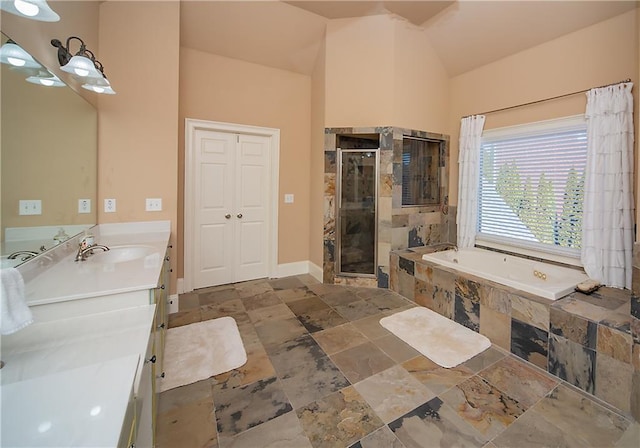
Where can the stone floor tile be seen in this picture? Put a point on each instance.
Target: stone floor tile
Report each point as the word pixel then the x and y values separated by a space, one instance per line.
pixel 340 297
pixel 270 313
pixel 186 416
pixel 357 310
pixel 282 432
pixel 190 316
pixel 288 295
pixel 188 301
pixel 524 383
pixel 594 425
pixel 338 338
pixel 396 348
pixel 437 378
pixel 381 438
pixel 531 430
pixel 286 283
pixel 339 419
pixel 217 297
pixel 322 319
pixel 370 326
pixel 249 289
pixel 306 305
pixel 261 300
pixel 483 406
pixel 485 359
pixel 393 392
pixel 434 424
pixel 362 361
pixel 274 333
pixel 241 408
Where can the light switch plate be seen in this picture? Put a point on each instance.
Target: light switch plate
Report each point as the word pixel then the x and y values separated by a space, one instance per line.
pixel 154 204
pixel 30 207
pixel 84 205
pixel 109 205
pixel 288 198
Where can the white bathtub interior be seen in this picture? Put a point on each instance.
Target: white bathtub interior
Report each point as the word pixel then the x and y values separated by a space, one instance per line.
pixel 535 277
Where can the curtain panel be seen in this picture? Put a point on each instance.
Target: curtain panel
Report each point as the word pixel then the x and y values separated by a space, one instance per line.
pixel 468 172
pixel 607 227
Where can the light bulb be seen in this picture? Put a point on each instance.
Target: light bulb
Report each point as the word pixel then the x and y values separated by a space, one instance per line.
pixel 15 61
pixel 81 71
pixel 26 8
pixel 98 89
pixel 46 82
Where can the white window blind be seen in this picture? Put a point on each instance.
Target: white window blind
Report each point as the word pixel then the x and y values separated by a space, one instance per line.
pixel 532 185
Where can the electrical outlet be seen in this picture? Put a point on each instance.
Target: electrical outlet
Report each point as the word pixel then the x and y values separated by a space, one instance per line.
pixel 288 198
pixel 84 205
pixel 30 207
pixel 109 205
pixel 154 204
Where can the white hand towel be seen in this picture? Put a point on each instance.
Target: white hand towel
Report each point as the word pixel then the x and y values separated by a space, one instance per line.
pixel 14 312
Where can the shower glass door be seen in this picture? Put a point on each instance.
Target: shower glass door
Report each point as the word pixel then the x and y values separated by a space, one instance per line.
pixel 357 211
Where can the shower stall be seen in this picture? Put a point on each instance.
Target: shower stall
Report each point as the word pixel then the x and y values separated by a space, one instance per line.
pixel 357 217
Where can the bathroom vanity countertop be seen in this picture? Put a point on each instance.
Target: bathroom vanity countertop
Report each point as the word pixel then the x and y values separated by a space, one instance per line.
pixel 103 273
pixel 68 382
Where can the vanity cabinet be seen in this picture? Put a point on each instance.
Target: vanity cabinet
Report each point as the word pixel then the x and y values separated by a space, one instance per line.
pixel 152 368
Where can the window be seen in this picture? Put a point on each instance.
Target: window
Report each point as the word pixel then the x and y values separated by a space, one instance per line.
pixel 420 168
pixel 532 186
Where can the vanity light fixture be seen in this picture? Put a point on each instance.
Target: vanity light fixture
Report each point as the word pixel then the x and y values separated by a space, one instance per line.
pixel 13 54
pixel 83 65
pixel 45 78
pixel 31 9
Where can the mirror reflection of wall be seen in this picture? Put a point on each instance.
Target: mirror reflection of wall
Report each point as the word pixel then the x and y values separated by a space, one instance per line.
pixel 48 153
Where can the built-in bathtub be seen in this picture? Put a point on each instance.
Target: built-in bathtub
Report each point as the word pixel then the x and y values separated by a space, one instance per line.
pixel 535 277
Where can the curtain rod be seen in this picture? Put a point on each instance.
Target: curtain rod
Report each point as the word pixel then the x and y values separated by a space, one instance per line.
pixel 547 99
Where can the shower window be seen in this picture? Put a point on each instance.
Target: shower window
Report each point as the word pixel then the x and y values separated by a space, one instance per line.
pixel 420 169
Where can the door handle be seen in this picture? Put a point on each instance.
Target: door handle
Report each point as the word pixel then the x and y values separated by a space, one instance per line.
pixel 227 216
pixel 239 215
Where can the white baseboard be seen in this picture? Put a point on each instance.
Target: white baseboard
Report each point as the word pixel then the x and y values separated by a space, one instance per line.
pixel 173 303
pixel 180 286
pixel 289 269
pixel 316 271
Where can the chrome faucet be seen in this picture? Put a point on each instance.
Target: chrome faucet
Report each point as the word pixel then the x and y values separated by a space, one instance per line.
pixel 28 254
pixel 85 251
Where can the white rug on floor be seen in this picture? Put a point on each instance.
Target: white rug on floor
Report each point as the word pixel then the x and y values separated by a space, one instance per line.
pixel 442 340
pixel 201 350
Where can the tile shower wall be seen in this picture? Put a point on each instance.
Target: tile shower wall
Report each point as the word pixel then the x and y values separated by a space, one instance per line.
pixel 591 341
pixel 398 227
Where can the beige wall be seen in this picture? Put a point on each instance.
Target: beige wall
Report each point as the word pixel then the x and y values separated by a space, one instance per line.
pixel 420 84
pixel 600 54
pixel 217 88
pixel 316 179
pixel 359 72
pixel 138 127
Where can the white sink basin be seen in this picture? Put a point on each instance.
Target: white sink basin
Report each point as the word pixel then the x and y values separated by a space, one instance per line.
pixel 121 254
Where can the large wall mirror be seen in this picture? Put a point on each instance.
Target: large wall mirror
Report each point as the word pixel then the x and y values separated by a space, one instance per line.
pixel 48 153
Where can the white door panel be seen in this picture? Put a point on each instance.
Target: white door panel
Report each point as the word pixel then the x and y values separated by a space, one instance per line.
pixel 231 200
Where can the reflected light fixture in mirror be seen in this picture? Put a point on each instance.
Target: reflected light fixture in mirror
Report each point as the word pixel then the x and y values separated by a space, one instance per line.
pixel 45 78
pixel 31 9
pixel 83 65
pixel 13 54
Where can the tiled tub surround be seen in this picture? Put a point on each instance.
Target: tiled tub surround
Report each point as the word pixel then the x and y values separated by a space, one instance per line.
pixel 398 227
pixel 583 339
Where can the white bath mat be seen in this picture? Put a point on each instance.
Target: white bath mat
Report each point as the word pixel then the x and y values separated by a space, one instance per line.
pixel 201 350
pixel 442 340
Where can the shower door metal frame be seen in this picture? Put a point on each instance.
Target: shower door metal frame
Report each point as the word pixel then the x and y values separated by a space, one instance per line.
pixel 338 251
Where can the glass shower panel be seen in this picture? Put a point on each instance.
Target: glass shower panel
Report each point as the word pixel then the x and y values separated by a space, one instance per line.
pixel 357 213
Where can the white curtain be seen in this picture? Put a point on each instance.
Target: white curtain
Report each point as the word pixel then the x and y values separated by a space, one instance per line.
pixel 468 170
pixel 607 223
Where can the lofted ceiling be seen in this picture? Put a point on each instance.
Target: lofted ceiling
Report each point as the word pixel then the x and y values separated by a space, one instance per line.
pixel 466 34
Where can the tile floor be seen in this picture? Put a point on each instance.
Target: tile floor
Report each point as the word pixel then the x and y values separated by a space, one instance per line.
pixel 322 372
